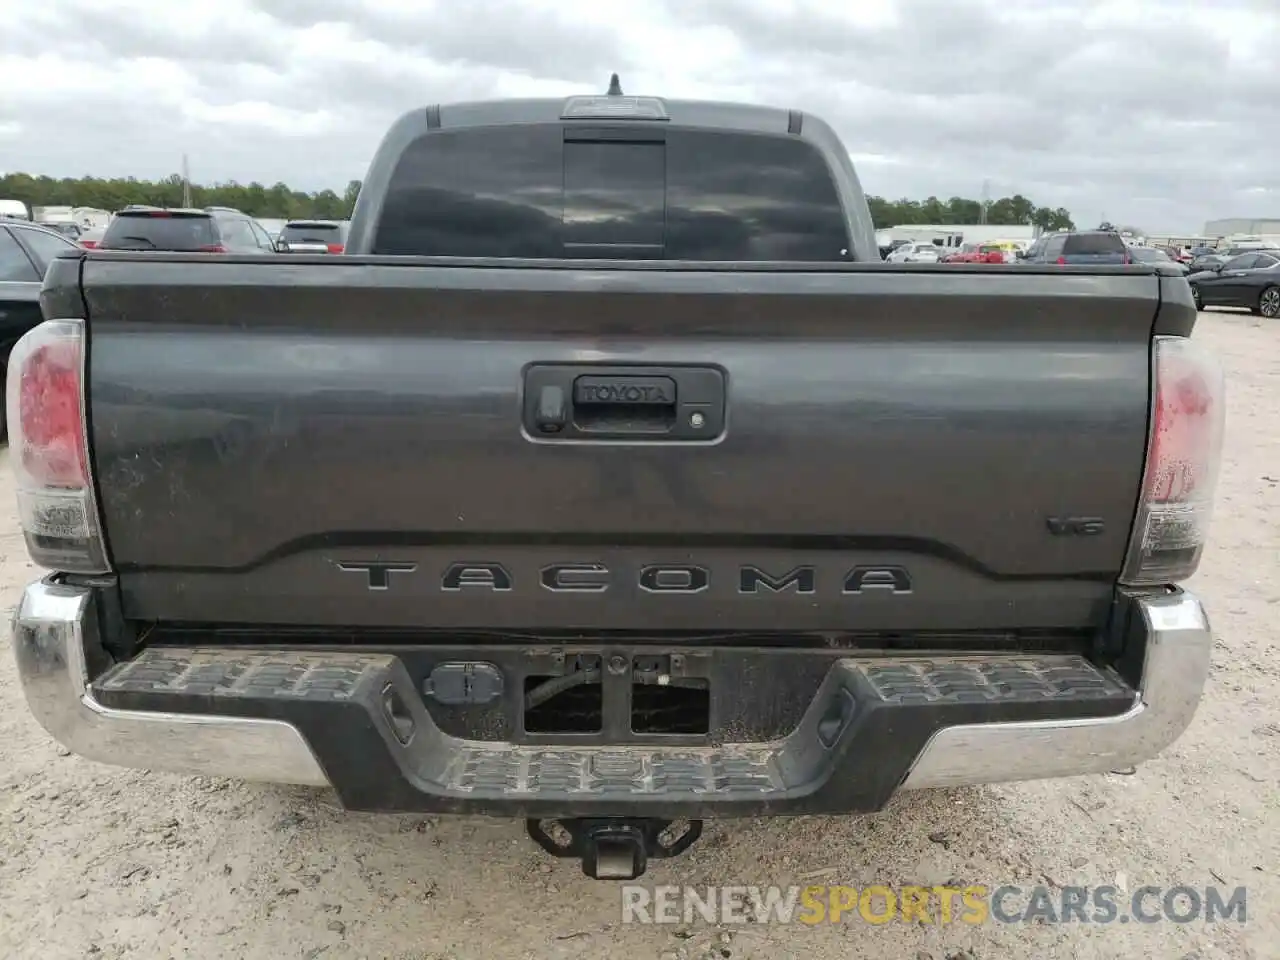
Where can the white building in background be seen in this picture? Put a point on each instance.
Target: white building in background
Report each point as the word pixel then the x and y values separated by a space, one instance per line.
pixel 1240 227
pixel 956 235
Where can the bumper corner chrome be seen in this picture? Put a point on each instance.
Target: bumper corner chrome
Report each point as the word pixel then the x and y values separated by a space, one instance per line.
pixel 49 636
pixel 1179 642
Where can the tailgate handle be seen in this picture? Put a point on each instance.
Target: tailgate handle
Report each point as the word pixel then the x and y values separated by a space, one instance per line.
pixel 626 404
pixel 589 402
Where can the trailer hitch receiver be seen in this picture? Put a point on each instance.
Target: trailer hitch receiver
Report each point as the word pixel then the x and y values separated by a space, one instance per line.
pixel 614 848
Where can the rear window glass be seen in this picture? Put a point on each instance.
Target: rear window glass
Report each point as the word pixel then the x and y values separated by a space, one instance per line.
pixel 14 262
pixel 312 232
pixel 1094 243
pixel 142 231
pixel 525 191
pixel 43 246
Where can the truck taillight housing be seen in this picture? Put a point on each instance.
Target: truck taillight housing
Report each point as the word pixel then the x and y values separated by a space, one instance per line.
pixel 1188 416
pixel 48 448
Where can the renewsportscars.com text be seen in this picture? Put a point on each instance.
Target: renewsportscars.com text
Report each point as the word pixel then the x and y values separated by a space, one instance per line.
pixel 972 904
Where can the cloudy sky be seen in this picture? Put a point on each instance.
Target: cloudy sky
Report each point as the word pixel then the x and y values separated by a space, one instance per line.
pixel 1159 113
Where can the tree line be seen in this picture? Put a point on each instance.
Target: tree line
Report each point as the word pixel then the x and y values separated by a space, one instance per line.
pixel 283 202
pixel 256 199
pixel 1005 212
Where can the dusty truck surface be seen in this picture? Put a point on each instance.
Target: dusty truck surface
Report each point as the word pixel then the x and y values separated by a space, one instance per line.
pixel 609 480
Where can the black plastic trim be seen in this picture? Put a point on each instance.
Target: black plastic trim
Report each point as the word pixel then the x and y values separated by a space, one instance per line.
pixel 335 700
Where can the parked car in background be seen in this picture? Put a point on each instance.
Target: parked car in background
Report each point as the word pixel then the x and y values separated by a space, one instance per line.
pixel 1207 260
pixel 917 252
pixel 182 230
pixel 91 237
pixel 963 255
pixel 25 252
pixel 976 253
pixel 1156 255
pixel 1087 247
pixel 72 231
pixel 1251 280
pixel 1210 259
pixel 313 236
pixel 1007 249
pixel 1037 245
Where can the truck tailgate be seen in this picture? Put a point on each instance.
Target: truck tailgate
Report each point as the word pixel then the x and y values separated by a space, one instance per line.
pixel 341 442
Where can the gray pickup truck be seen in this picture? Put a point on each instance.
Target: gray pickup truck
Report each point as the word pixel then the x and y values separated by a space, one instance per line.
pixel 610 480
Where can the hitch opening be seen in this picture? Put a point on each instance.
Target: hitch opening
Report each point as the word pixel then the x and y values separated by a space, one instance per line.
pixel 614 848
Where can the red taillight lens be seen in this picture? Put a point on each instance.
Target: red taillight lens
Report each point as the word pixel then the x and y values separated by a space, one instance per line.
pixel 336 248
pixel 53 452
pixel 88 244
pixel 44 399
pixel 1183 457
pixel 1128 259
pixel 212 248
pixel 1062 261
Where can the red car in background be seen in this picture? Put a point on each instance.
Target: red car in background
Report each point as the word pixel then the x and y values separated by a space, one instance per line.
pixel 977 253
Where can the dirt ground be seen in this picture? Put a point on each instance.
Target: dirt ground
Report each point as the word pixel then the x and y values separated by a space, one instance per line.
pixel 100 862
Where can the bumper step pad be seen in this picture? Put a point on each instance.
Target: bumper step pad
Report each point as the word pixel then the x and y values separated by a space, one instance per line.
pixel 856 744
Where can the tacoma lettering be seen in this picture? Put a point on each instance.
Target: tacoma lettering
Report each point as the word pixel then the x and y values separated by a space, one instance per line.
pixel 576 577
pixel 890 579
pixel 491 575
pixel 750 579
pixel 674 579
pixel 664 578
pixel 378 575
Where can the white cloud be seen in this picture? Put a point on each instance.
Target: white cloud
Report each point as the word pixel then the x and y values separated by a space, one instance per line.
pixel 1157 112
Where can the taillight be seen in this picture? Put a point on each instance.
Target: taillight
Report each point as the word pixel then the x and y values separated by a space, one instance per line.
pixel 1128 259
pixel 212 248
pixel 49 449
pixel 1062 261
pixel 88 244
pixel 1188 414
pixel 335 248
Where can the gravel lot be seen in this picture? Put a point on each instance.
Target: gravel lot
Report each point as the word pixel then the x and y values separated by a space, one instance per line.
pixel 99 862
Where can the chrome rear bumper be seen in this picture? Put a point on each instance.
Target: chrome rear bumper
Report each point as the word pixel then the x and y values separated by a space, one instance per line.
pixel 54 622
pixel 1178 645
pixel 49 629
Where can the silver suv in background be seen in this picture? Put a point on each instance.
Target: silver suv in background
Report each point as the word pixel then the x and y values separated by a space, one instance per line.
pixel 1092 247
pixel 313 236
pixel 183 230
